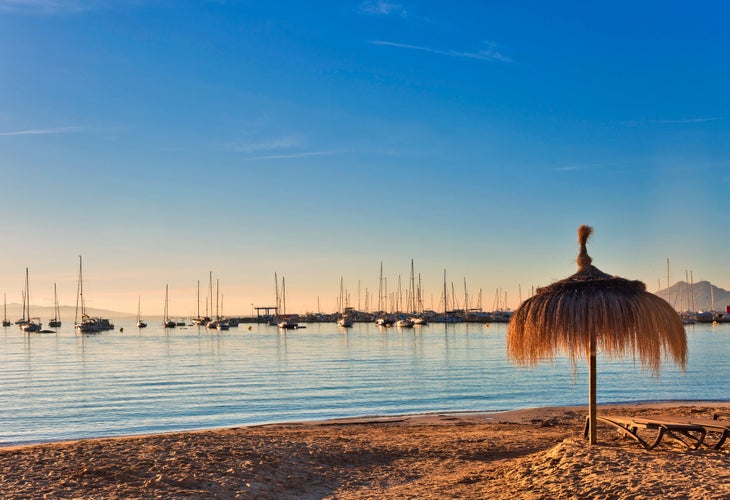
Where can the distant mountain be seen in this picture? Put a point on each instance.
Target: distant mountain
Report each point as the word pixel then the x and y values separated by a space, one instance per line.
pixel 15 311
pixel 682 296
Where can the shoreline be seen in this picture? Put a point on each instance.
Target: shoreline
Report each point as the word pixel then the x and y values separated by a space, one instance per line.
pixel 513 416
pixel 528 453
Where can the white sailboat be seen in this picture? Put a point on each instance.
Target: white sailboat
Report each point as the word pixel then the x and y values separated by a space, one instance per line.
pixel 85 324
pixel 166 322
pixel 286 321
pixel 28 325
pixel 219 323
pixel 200 320
pixel 344 320
pixel 140 323
pixel 5 311
pixel 56 321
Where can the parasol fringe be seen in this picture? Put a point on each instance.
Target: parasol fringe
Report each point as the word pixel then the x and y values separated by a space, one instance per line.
pixel 641 324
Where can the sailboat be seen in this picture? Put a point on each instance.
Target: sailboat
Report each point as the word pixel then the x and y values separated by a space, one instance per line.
pixel 86 324
pixel 219 323
pixel 140 323
pixel 5 311
pixel 286 321
pixel 28 325
pixel 344 320
pixel 200 320
pixel 166 321
pixel 56 321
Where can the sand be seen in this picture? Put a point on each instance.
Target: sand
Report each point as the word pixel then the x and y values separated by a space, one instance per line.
pixel 529 454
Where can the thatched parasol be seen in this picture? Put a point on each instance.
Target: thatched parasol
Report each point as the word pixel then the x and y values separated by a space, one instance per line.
pixel 591 311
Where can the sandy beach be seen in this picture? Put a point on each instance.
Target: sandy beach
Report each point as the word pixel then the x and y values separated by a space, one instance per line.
pixel 538 453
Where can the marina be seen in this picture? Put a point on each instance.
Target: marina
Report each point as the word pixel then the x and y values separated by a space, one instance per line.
pixel 65 385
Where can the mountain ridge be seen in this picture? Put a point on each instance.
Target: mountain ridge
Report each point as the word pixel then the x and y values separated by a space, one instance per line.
pixel 696 296
pixel 15 311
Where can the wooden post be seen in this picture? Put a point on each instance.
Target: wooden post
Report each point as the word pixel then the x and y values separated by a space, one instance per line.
pixel 592 390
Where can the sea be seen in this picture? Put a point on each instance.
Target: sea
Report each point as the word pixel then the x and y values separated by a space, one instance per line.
pixel 60 386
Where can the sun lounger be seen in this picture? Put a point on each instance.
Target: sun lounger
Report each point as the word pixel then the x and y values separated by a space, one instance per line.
pixel 691 435
pixel 711 425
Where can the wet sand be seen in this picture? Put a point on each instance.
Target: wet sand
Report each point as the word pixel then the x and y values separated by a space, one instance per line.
pixel 538 453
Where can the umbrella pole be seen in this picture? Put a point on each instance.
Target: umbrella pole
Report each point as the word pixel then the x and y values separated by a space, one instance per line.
pixel 592 390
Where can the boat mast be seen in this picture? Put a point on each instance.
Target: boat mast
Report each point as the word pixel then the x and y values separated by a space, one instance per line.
pixel 669 292
pixel 412 301
pixel 27 293
pixel 210 279
pixel 276 294
pixel 340 299
pixel 283 294
pixel 81 291
pixel 445 298
pixel 76 313
pixel 466 298
pixel 380 288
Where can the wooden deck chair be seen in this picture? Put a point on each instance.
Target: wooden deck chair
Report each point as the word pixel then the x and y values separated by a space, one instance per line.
pixel 711 425
pixel 689 434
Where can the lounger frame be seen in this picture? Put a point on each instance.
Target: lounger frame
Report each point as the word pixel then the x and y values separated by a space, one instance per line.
pixel 690 435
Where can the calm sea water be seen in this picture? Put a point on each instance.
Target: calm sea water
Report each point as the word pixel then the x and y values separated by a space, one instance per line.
pixel 68 386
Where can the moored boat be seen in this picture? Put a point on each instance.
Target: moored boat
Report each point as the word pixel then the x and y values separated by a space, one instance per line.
pixel 404 323
pixel 5 311
pixel 166 321
pixel 56 321
pixel 140 323
pixel 33 325
pixel 200 320
pixel 288 322
pixel 28 324
pixel 86 324
pixel 384 321
pixel 344 322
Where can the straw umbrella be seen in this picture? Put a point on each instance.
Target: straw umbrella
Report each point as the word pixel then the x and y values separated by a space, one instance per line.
pixel 591 311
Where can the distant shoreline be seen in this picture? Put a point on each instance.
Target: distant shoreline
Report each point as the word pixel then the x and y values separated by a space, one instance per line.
pixel 512 416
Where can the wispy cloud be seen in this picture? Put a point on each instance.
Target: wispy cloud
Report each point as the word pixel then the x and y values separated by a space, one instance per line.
pixel 578 167
pixel 488 53
pixel 383 8
pixel 283 147
pixel 48 6
pixel 680 121
pixel 278 143
pixel 293 156
pixel 42 131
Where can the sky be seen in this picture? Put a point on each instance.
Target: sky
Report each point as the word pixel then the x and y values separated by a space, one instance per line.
pixel 163 140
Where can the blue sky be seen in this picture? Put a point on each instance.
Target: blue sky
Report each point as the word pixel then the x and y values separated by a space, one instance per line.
pixel 164 139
